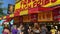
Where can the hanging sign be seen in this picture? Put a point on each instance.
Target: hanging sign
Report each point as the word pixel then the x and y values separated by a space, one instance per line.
pixel 27 4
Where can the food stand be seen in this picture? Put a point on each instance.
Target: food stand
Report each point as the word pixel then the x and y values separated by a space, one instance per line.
pixel 24 10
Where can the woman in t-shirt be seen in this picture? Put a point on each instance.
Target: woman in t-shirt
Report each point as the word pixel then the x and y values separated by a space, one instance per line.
pixel 36 28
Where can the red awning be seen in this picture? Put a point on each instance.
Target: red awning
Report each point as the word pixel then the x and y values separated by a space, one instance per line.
pixel 47 8
pixel 38 9
pixel 33 10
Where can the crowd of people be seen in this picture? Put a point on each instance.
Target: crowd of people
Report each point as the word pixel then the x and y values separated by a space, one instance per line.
pixel 30 29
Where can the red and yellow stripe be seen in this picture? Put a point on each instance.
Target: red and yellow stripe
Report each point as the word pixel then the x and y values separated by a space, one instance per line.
pixel 22 4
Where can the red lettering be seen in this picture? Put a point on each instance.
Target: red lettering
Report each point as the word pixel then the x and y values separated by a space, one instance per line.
pixel 39 3
pixel 30 5
pixel 29 1
pixel 26 7
pixel 53 1
pixel 35 4
pixel 47 1
pixel 24 4
pixel 27 4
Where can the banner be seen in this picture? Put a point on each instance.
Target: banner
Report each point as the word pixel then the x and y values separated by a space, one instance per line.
pixel 28 4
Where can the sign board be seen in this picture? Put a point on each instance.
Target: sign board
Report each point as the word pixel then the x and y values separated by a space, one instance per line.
pixel 28 4
pixel 45 16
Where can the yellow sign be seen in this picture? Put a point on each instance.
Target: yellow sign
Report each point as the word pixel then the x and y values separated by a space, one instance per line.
pixel 45 16
pixel 17 5
pixel 24 12
pixel 52 4
pixel 27 4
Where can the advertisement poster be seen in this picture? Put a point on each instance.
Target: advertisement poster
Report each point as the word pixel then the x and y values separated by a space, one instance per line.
pixel 10 9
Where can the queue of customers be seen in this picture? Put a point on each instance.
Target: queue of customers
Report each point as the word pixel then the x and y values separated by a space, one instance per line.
pixel 30 29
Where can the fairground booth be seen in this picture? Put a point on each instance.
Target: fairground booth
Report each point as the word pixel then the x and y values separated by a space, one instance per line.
pixel 36 11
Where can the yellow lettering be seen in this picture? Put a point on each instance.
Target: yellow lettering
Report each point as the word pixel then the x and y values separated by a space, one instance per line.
pixel 30 4
pixel 25 6
pixel 22 6
pixel 35 5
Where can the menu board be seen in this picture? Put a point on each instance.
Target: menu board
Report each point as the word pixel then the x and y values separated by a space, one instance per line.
pixel 30 18
pixel 17 1
pixel 26 18
pixel 45 16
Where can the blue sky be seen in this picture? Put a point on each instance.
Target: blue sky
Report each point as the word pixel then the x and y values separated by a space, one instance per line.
pixel 5 4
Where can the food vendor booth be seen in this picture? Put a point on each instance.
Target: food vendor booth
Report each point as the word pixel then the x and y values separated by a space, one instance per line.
pixel 39 11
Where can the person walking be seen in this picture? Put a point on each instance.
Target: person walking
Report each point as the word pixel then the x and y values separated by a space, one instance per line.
pixel 20 29
pixel 44 30
pixel 14 30
pixel 36 28
pixel 30 31
pixel 53 30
